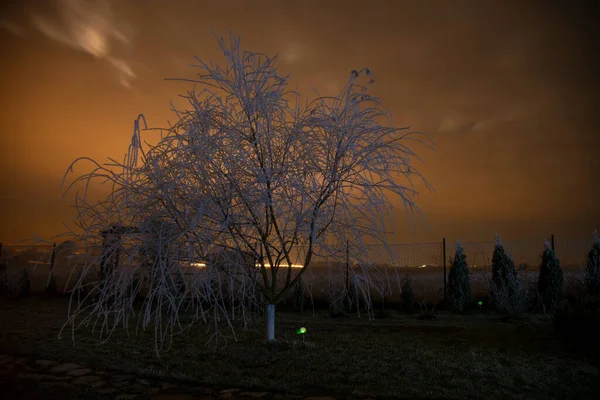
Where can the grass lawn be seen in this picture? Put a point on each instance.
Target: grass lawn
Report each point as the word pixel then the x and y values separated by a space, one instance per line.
pixel 462 357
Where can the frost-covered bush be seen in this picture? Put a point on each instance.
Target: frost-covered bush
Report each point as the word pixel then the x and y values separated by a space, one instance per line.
pixel 508 294
pixel 592 269
pixel 459 284
pixel 550 281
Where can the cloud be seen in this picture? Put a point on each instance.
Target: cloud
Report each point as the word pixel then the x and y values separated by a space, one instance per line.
pixel 325 84
pixel 88 26
pixel 293 52
pixel 458 123
pixel 448 124
pixel 126 74
pixel 512 115
pixel 13 28
pixel 452 124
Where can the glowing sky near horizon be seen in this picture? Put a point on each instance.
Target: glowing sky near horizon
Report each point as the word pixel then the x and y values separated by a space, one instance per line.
pixel 508 90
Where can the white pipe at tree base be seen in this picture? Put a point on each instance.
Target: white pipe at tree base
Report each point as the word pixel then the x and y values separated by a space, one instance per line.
pixel 271 322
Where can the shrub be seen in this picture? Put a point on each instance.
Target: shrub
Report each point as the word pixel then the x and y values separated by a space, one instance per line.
pixel 24 284
pixel 592 270
pixel 335 301
pixel 252 301
pixel 506 292
pixel 351 303
pixel 352 295
pixel 80 290
pixel 503 267
pixel 579 323
pixel 408 295
pixel 50 288
pixel 179 288
pixel 135 286
pixel 299 296
pixel 550 281
pixel 13 285
pixel 428 307
pixel 4 280
pixel 210 286
pixel 459 285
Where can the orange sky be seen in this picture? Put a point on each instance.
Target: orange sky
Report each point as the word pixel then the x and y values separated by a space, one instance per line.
pixel 509 93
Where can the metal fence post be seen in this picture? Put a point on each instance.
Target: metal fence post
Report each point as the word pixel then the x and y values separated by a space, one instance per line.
pixel 347 265
pixel 552 241
pixel 444 252
pixel 52 259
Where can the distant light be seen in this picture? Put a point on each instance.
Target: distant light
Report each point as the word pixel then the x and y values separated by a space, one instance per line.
pixel 281 265
pixel 422 266
pixel 301 331
pixel 203 265
pixel 480 303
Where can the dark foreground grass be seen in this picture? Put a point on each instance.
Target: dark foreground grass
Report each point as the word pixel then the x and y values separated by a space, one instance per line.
pixel 466 357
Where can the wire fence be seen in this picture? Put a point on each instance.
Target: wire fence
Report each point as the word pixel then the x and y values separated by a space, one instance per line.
pixel 429 260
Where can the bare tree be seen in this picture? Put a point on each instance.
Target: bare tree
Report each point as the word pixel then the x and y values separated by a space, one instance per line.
pixel 251 175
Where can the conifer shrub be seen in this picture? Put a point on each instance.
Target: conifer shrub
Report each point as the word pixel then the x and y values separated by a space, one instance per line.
pixel 503 267
pixel 592 269
pixel 550 281
pixel 507 294
pixel 459 285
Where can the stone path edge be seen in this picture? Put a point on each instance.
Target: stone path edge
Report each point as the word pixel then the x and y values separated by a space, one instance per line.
pixel 71 377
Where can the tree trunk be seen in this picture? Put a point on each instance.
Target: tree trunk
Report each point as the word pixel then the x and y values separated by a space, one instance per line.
pixel 271 322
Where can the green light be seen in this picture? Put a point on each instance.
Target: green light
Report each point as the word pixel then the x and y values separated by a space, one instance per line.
pixel 301 331
pixel 480 303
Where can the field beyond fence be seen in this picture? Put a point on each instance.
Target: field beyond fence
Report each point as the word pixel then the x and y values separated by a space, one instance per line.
pixel 427 265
